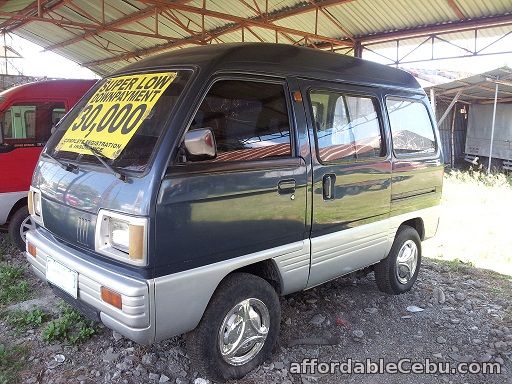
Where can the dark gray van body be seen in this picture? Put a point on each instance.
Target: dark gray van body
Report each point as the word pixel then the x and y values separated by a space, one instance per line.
pixel 296 220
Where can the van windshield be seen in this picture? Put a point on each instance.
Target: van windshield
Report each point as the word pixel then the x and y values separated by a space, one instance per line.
pixel 121 119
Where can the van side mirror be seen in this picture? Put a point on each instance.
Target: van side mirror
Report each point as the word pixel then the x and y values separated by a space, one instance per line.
pixel 200 144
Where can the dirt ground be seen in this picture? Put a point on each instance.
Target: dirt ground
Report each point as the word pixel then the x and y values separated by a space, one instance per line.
pixel 466 317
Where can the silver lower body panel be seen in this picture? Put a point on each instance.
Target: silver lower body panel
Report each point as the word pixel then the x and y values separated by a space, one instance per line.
pixel 132 321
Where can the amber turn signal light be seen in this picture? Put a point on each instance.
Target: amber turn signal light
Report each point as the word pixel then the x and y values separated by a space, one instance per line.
pixel 136 250
pixel 111 297
pixel 297 96
pixel 32 250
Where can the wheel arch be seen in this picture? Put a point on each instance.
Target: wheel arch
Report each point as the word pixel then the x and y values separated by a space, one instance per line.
pixel 416 223
pixel 267 270
pixel 19 204
pixel 196 287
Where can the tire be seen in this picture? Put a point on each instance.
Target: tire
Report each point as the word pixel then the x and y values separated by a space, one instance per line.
pixel 20 218
pixel 393 277
pixel 204 343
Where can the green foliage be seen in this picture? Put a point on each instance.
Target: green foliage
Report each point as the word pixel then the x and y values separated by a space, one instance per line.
pixel 22 320
pixel 11 362
pixel 480 177
pixel 456 265
pixel 13 286
pixel 71 326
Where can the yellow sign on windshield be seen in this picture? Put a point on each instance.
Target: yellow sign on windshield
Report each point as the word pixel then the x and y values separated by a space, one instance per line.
pixel 114 113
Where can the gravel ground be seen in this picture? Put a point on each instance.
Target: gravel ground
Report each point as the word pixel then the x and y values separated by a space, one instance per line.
pixel 466 317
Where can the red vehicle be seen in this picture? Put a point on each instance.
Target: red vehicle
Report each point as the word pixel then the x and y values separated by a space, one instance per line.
pixel 27 114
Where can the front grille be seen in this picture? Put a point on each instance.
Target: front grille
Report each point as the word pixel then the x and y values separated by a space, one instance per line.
pixel 82 230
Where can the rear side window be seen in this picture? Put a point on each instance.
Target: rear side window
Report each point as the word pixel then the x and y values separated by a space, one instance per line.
pixel 249 119
pixel 411 127
pixel 347 127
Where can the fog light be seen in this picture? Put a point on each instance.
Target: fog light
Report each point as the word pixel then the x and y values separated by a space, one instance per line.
pixel 32 250
pixel 111 297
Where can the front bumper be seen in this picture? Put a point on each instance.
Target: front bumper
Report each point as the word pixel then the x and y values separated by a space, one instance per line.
pixel 134 321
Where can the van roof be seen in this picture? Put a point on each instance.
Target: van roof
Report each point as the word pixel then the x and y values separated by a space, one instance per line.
pixel 45 89
pixel 281 59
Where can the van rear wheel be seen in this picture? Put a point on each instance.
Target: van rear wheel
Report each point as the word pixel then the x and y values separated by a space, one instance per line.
pixel 398 272
pixel 238 330
pixel 19 224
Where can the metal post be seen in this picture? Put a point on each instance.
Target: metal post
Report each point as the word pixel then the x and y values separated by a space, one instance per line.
pixel 358 49
pixel 433 102
pixel 493 122
pixel 452 137
pixel 5 54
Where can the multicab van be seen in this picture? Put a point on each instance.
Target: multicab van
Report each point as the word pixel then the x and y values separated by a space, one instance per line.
pixel 27 114
pixel 187 192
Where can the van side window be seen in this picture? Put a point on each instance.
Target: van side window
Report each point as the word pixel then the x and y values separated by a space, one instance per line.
pixel 57 115
pixel 249 119
pixel 35 121
pixel 411 128
pixel 7 124
pixel 30 122
pixel 347 127
pixel 20 122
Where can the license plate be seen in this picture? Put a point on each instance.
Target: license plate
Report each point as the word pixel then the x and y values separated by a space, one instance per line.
pixel 61 276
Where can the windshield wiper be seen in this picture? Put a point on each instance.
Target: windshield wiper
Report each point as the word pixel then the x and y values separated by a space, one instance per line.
pixel 67 166
pixel 98 155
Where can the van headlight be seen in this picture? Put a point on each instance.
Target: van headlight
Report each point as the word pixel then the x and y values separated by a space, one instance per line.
pixel 119 234
pixel 122 237
pixel 34 204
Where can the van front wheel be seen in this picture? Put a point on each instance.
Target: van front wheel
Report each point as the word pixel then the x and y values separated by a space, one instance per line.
pixel 238 330
pixel 19 224
pixel 397 273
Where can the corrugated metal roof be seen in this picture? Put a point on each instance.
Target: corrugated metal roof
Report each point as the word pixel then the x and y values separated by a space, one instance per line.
pixel 105 35
pixel 478 88
pixel 479 8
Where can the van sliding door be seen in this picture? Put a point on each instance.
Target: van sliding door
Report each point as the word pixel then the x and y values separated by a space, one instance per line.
pixel 351 179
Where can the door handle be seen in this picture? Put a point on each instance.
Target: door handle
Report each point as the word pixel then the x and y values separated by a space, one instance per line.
pixel 328 186
pixel 285 187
